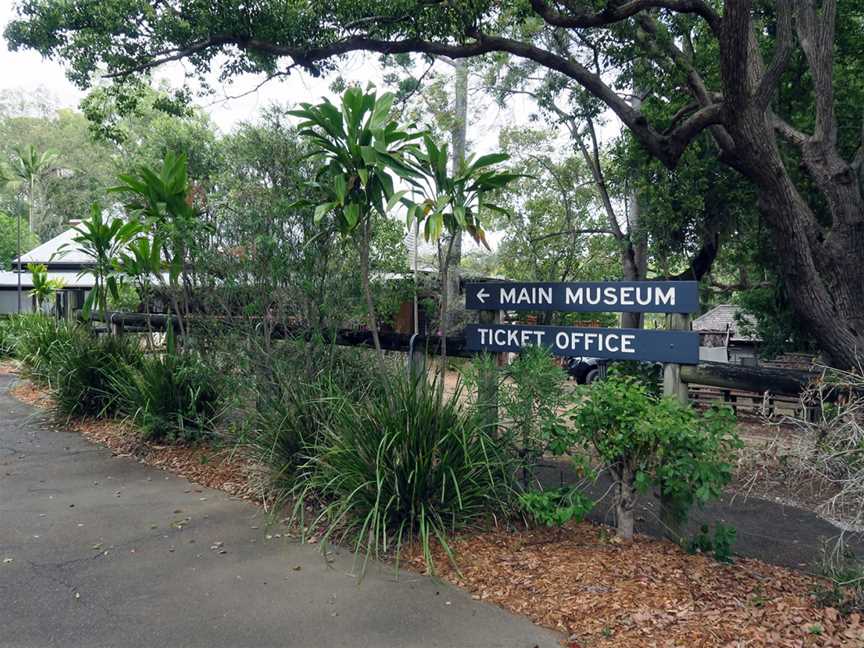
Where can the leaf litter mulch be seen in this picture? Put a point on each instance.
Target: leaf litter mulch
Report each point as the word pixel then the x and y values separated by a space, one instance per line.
pixel 579 581
pixel 599 592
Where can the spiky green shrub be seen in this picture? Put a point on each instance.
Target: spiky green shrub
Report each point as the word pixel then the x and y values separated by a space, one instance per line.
pixel 289 415
pixel 7 339
pixel 174 397
pixel 40 342
pixel 402 465
pixel 85 373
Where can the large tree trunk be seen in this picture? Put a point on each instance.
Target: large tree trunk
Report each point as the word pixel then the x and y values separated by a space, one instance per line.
pixel 634 248
pixel 820 264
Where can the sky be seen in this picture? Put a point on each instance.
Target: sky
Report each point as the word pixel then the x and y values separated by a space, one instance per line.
pixel 26 71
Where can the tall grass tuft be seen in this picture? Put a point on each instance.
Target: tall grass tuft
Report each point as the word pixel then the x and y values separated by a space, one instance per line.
pixel 85 373
pixel 39 342
pixel 174 397
pixel 402 465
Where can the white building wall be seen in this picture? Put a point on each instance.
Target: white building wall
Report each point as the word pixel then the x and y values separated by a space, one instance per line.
pixel 9 302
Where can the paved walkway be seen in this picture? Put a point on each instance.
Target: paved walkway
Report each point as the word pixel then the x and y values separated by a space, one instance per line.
pixel 97 551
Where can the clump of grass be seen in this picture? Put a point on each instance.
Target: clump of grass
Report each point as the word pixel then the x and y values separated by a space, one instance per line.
pixel 86 371
pixel 173 397
pixel 40 343
pixel 403 464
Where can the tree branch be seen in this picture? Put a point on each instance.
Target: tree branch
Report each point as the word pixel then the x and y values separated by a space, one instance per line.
pixel 788 132
pixel 782 54
pixel 666 148
pixel 816 34
pixel 575 232
pixel 579 18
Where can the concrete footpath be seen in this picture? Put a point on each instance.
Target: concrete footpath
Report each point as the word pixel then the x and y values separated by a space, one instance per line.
pixel 98 551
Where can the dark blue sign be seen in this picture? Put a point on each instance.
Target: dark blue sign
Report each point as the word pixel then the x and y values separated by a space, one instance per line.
pixel 681 347
pixel 586 297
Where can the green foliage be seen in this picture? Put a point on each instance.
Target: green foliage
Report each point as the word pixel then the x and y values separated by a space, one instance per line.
pixel 102 241
pixel 85 373
pixel 775 323
pixel 720 544
pixel 647 374
pixel 403 464
pixel 173 397
pixel 304 388
pixel 28 169
pixel 531 396
pixel 82 169
pixel 360 146
pixel 649 442
pixel 43 287
pixel 548 210
pixel 40 342
pixel 161 200
pixel 454 202
pixel 556 507
pixel 9 240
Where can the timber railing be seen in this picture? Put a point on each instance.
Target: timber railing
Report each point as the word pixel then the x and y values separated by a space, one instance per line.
pixel 738 380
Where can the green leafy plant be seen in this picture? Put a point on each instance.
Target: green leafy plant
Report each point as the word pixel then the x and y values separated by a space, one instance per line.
pixel 556 507
pixel 400 465
pixel 102 241
pixel 174 397
pixel 163 200
pixel 452 202
pixel 360 147
pixel 647 442
pixel 720 544
pixel 39 341
pixel 28 169
pixel 532 397
pixel 85 373
pixel 43 287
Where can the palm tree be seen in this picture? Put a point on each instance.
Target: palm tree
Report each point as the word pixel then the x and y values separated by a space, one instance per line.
pixel 27 169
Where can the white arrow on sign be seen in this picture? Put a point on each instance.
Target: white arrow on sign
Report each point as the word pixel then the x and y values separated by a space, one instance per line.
pixel 482 295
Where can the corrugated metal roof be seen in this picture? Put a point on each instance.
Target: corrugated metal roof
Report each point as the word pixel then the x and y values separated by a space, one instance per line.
pixel 723 318
pixel 50 251
pixel 70 279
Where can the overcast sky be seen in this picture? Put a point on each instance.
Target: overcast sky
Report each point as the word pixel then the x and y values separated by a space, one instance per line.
pixel 27 71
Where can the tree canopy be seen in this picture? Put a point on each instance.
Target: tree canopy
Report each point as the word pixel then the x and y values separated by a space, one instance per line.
pixel 769 89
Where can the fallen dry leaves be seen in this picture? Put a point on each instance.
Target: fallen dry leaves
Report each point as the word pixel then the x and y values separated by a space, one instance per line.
pixel 599 592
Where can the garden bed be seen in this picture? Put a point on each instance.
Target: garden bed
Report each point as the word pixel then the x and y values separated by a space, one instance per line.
pixel 579 581
pixel 582 582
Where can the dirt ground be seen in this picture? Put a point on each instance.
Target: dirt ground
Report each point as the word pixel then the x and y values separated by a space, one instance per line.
pixel 600 592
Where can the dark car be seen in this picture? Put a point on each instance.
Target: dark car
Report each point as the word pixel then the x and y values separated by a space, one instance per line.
pixel 582 369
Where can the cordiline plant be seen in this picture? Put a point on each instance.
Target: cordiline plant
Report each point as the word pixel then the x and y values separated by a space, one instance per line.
pixel 452 202
pixel 43 286
pixel 361 150
pixel 162 199
pixel 102 240
pixel 403 465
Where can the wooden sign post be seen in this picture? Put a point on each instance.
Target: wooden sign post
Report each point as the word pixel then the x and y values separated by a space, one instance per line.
pixel 674 347
pixel 680 347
